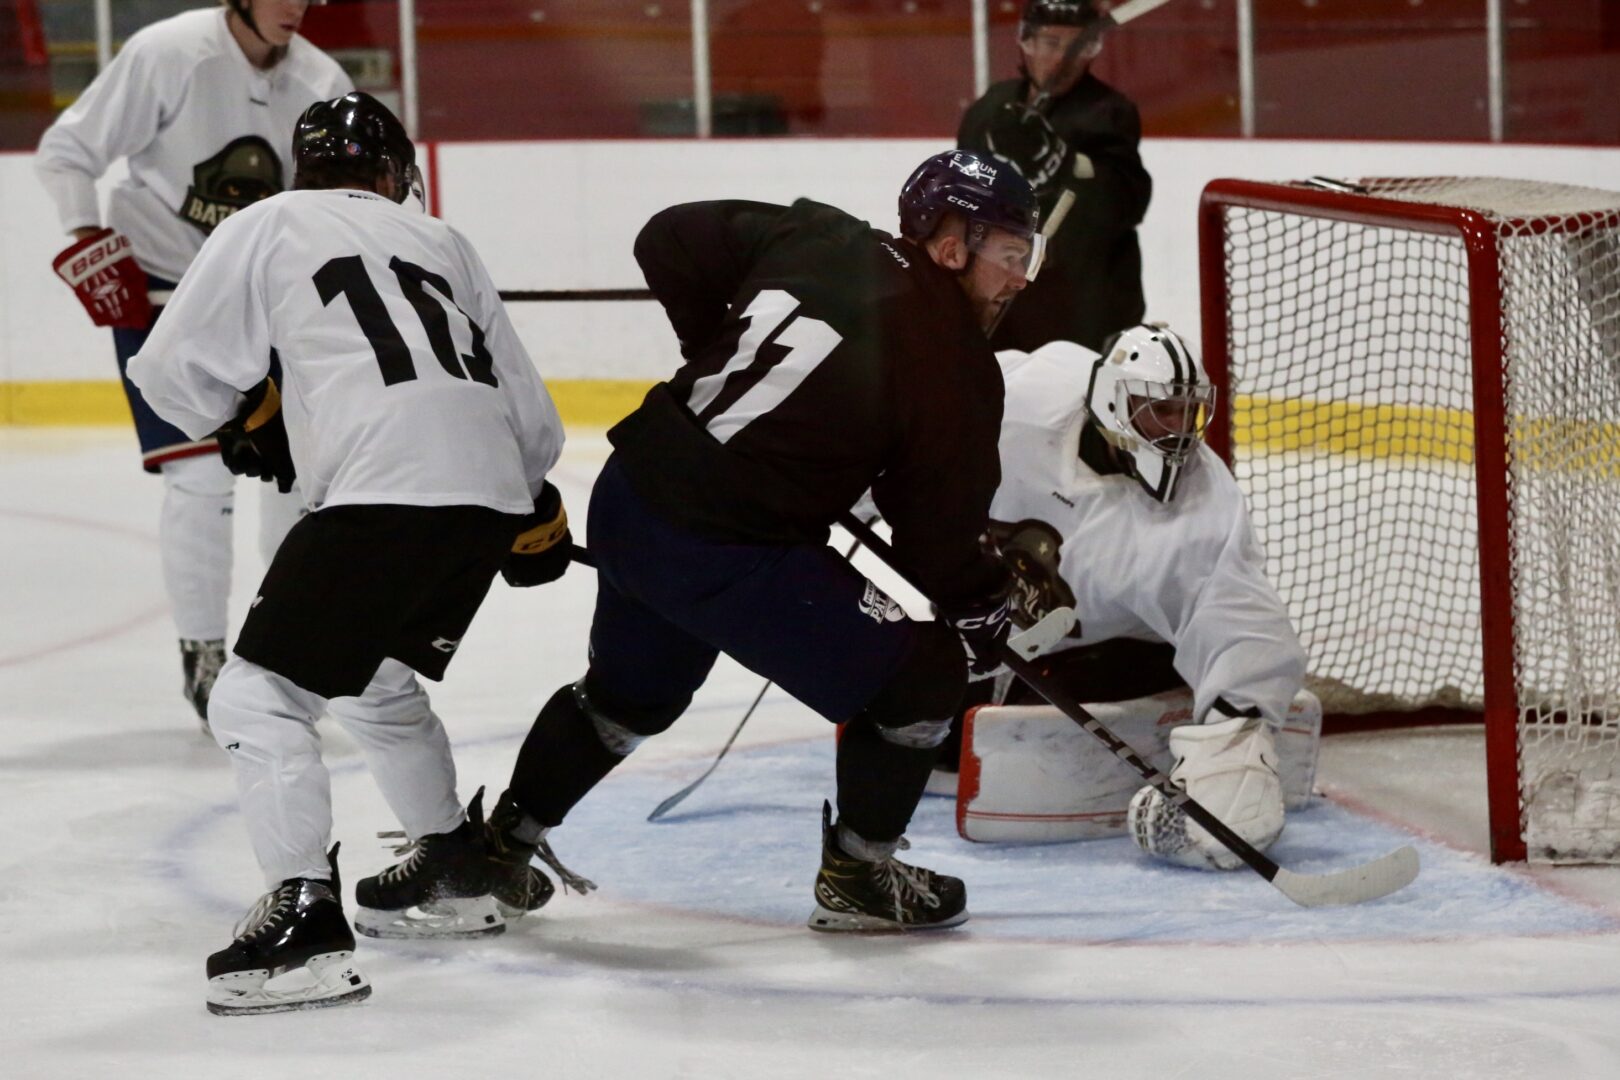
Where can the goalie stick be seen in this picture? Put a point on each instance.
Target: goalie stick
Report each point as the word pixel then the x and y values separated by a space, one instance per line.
pixel 1355 885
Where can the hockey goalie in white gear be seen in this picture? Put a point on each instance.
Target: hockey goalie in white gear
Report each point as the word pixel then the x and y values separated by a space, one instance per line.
pixel 1148 537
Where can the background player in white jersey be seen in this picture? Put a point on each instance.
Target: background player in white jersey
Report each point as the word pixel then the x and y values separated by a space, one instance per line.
pixel 422 436
pixel 202 105
pixel 1111 503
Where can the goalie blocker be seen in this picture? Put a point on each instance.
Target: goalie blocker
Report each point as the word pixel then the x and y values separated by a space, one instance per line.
pixel 1029 775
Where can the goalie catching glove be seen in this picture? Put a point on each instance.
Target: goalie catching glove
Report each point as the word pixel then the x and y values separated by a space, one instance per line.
pixel 255 443
pixel 543 550
pixel 102 272
pixel 1228 766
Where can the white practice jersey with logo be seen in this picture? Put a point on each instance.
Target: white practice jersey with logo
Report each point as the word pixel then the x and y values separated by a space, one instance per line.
pixel 402 379
pixel 205 133
pixel 1190 572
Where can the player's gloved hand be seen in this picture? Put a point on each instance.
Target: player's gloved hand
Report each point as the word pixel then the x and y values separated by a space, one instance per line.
pixel 102 272
pixel 1026 138
pixel 983 625
pixel 542 550
pixel 255 443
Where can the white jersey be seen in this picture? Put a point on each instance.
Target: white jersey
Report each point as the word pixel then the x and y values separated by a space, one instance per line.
pixel 204 130
pixel 1189 572
pixel 402 379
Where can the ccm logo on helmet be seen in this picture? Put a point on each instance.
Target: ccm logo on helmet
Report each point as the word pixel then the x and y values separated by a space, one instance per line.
pixel 961 202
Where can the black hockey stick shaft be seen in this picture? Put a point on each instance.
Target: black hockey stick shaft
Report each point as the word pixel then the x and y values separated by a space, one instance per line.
pixel 1048 688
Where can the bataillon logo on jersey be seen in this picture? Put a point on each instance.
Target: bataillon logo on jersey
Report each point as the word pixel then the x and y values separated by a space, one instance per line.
pixel 246 171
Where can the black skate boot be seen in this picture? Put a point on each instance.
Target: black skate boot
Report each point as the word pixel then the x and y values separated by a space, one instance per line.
pixel 201 661
pixel 440 891
pixel 856 895
pixel 519 886
pixel 294 950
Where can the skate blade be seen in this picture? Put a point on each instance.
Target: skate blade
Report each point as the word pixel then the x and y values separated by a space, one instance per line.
pixel 512 912
pixel 853 922
pixel 469 917
pixel 325 981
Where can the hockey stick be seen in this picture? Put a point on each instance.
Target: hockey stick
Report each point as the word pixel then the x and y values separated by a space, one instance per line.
pixel 674 800
pixel 1356 885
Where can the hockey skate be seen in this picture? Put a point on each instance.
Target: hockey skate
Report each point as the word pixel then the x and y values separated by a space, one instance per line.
pixel 442 890
pixel 201 661
pixel 519 886
pixel 887 895
pixel 294 950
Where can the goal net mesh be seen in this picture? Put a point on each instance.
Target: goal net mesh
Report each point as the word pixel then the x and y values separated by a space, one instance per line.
pixel 1352 390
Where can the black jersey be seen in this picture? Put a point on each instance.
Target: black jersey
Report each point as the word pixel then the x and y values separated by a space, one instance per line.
pixel 1091 283
pixel 824 357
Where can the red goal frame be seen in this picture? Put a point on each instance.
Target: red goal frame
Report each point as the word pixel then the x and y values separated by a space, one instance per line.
pixel 1479 237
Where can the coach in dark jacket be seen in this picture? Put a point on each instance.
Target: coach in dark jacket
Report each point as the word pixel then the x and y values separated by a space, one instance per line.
pixel 1055 114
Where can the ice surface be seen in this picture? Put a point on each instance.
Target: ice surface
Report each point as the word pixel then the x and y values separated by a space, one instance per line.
pixel 125 864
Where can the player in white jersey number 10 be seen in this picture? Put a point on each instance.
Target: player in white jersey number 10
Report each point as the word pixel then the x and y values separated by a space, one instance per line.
pixel 421 436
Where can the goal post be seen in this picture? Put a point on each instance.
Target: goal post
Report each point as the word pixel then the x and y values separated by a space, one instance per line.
pixel 1421 381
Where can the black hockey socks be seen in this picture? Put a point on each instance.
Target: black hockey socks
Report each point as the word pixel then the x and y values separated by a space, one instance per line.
pixel 879 782
pixel 561 760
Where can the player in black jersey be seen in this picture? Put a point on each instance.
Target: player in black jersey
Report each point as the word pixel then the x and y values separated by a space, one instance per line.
pixel 823 357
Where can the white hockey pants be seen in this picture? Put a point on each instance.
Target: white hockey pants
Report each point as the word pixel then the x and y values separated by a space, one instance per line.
pixel 267 726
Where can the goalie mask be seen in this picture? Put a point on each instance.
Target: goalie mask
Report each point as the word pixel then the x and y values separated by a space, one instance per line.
pixel 1151 400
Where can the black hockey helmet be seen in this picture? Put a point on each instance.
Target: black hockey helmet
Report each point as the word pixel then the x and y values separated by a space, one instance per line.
pixel 354 138
pixel 985 189
pixel 1057 13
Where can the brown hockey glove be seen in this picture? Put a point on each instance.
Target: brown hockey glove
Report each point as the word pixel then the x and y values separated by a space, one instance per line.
pixel 102 272
pixel 255 443
pixel 1032 552
pixel 542 551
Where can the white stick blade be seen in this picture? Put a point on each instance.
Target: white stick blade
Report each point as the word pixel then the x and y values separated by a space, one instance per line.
pixel 1356 885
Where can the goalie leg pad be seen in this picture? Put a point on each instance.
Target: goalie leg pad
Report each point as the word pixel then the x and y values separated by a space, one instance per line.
pixel 1230 767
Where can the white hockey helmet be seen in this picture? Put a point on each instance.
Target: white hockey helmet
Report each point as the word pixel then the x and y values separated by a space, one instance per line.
pixel 1151 399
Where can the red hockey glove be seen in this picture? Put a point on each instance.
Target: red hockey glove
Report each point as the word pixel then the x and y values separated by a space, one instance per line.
pixel 102 272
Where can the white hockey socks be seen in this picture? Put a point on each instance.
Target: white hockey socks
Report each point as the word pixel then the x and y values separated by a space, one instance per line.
pixel 1230 767
pixel 406 749
pixel 194 536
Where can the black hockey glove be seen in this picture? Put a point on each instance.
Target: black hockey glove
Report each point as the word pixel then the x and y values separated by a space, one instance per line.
pixel 1025 138
pixel 544 547
pixel 984 625
pixel 255 443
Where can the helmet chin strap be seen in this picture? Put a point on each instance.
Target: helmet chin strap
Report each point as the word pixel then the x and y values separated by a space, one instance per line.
pixel 243 9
